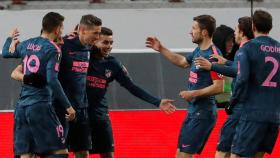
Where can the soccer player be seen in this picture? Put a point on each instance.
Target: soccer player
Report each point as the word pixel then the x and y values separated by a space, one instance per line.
pixel 72 75
pixel 37 128
pixel 104 69
pixel 243 33
pixel 258 74
pixel 202 87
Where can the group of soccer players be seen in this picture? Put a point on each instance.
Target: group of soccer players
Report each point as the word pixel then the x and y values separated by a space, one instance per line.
pixel 62 105
pixel 252 128
pixel 72 74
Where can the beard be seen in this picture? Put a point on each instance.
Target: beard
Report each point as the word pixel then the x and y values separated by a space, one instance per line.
pixel 197 40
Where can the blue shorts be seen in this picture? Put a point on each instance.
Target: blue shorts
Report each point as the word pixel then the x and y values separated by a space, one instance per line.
pixel 37 130
pixel 226 135
pixel 252 137
pixel 195 131
pixel 102 136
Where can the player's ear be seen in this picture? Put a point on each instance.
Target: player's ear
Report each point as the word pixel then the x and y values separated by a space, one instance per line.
pixel 204 32
pixel 253 27
pixel 81 29
pixel 57 30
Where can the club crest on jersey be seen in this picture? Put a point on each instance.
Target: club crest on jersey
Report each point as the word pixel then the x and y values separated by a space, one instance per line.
pixel 220 75
pixel 108 73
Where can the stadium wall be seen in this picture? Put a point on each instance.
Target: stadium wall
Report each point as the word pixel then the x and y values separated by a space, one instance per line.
pixel 138 134
pixel 148 70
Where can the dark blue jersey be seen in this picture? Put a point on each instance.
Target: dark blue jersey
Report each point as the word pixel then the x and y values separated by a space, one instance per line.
pixel 73 71
pixel 199 79
pixel 41 56
pixel 259 74
pixel 103 71
pixel 230 70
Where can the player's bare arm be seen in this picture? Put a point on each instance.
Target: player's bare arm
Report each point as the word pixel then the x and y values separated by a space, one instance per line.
pixel 216 88
pixel 176 59
pixel 17 73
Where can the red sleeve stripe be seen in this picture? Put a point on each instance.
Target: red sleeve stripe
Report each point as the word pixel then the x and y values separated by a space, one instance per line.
pixel 216 76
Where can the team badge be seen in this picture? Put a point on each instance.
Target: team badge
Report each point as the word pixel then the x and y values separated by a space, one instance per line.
pixel 108 73
pixel 220 75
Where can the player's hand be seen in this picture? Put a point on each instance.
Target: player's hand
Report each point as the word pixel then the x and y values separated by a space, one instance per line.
pixel 187 95
pixel 73 33
pixel 14 33
pixel 221 60
pixel 167 106
pixel 15 36
pixel 153 42
pixel 202 63
pixel 71 114
pixel 229 107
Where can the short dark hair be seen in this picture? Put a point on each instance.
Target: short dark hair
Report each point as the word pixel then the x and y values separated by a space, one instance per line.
pixel 51 21
pixel 90 20
pixel 206 22
pixel 106 31
pixel 262 20
pixel 245 25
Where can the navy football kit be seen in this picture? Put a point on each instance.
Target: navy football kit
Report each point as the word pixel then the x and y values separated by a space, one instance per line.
pixel 202 113
pixel 37 128
pixel 258 74
pixel 101 72
pixel 72 76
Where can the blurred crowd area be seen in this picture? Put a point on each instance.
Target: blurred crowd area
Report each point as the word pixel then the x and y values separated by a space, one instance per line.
pixel 24 2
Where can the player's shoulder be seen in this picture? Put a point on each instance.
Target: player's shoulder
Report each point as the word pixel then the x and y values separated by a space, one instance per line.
pixel 215 50
pixel 112 60
pixel 70 38
pixel 195 50
pixel 40 43
pixel 52 46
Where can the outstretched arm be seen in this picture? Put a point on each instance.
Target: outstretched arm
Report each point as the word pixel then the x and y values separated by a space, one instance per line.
pixel 176 59
pixel 125 81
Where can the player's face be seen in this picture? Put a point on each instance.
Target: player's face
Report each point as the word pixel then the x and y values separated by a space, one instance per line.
pixel 105 44
pixel 229 44
pixel 89 35
pixel 237 34
pixel 196 33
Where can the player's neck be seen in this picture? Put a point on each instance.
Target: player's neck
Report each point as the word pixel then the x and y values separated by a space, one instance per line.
pixel 258 34
pixel 97 56
pixel 205 44
pixel 49 36
pixel 82 40
pixel 244 40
